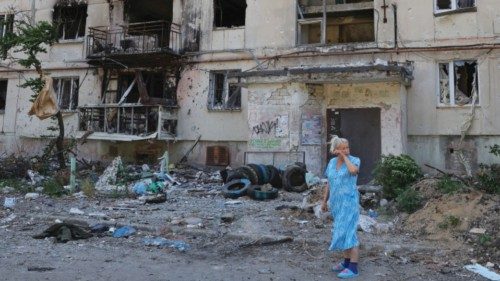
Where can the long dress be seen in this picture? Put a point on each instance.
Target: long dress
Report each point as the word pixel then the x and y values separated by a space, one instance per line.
pixel 344 204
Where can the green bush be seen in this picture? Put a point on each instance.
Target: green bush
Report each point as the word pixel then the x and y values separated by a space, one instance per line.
pixel 409 201
pixel 449 222
pixel 449 185
pixel 488 179
pixel 396 173
pixel 52 187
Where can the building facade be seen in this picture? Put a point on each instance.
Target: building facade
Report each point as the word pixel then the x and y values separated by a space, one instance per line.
pixel 234 81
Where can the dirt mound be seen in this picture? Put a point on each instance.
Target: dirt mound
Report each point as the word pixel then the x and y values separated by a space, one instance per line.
pixel 427 188
pixel 449 218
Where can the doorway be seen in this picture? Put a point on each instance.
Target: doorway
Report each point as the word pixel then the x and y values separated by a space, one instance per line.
pixel 362 128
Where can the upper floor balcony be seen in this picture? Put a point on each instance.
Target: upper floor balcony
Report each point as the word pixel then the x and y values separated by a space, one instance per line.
pixel 134 45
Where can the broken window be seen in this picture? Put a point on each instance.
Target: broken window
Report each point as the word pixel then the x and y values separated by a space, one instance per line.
pixel 70 17
pixel 355 26
pixel 6 24
pixel 66 90
pixel 462 75
pixel 156 83
pixel 450 5
pixel 225 93
pixel 3 95
pixel 229 13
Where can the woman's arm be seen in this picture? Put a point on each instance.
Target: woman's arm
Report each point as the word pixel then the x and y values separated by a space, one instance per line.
pixel 326 196
pixel 353 169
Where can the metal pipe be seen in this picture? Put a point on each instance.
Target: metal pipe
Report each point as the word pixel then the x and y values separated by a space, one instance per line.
pixel 395 11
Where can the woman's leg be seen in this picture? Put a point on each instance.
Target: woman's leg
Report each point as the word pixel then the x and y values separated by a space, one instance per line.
pixel 353 254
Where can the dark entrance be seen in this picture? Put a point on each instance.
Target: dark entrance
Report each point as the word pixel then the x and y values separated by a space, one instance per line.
pixel 361 126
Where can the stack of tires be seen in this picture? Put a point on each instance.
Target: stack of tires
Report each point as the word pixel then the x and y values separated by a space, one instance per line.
pixel 294 178
pixel 262 182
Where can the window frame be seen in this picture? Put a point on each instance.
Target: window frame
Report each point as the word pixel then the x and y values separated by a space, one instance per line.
pixel 62 25
pixel 454 7
pixel 451 81
pixel 225 91
pixel 75 82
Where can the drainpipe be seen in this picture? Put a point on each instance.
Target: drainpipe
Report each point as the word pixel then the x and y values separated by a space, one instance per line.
pixel 395 11
pixel 33 9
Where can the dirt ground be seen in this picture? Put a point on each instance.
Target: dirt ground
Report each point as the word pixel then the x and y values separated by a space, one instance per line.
pixel 266 240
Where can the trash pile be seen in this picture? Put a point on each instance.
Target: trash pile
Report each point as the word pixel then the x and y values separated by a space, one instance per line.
pixel 262 182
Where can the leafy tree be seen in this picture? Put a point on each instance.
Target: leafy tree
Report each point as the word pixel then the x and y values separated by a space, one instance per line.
pixel 30 39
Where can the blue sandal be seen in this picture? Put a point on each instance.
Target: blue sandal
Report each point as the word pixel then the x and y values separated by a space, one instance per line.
pixel 347 273
pixel 338 267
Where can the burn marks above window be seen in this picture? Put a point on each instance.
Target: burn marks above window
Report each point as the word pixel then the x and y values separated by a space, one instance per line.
pixel 70 17
pixel 462 75
pixel 225 93
pixel 229 13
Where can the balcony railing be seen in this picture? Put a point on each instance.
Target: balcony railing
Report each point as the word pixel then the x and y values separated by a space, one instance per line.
pixel 135 38
pixel 129 119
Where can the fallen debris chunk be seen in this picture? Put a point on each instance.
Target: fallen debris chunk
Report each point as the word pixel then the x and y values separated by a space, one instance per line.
pixel 478 231
pixel 483 271
pixel 31 195
pixel 76 211
pixel 154 199
pixel 99 228
pixel 267 241
pixel 65 232
pixel 124 232
pixel 161 242
pixel 366 224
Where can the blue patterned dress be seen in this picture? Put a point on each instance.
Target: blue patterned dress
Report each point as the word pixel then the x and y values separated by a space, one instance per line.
pixel 344 204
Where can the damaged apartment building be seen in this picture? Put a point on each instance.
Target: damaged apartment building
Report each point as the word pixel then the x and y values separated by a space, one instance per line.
pixel 227 82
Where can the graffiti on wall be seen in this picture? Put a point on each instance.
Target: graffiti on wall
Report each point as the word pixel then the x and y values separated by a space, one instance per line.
pixel 265 127
pixel 265 143
pixel 282 127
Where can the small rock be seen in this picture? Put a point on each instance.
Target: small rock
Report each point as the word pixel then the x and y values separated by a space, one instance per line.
pixel 193 221
pixel 39 189
pixel 8 189
pixel 76 211
pixel 473 261
pixel 383 202
pixel 478 231
pixel 9 202
pixel 145 168
pixel 490 264
pixel 8 219
pixel 79 195
pixel 98 215
pixel 31 195
pixel 227 218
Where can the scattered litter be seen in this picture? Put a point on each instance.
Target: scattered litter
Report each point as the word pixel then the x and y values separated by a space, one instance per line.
pixel 483 271
pixel 76 211
pixel 366 224
pixel 320 214
pixel 312 179
pixel 8 219
pixel 124 232
pixel 193 222
pixel 490 264
pixel 40 269
pixel 372 214
pixel 65 232
pixel 154 199
pixel 35 177
pixel 9 202
pixel 98 215
pixel 478 231
pixel 31 196
pixel 166 243
pixel 233 202
pixel 107 181
pixel 99 228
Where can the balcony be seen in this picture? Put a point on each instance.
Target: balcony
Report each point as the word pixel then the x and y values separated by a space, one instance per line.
pixel 134 45
pixel 128 122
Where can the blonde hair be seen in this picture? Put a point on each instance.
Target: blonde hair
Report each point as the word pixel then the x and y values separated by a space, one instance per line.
pixel 336 141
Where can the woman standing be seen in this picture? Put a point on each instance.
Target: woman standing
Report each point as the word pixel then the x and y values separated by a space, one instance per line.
pixel 341 191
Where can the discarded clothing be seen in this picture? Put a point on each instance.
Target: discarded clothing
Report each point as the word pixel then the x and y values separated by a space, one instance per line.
pixel 45 104
pixel 65 232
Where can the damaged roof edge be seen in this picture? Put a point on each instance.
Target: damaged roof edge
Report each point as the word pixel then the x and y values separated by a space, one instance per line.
pixel 405 72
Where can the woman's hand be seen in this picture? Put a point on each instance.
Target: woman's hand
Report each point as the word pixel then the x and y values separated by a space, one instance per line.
pixel 324 206
pixel 339 153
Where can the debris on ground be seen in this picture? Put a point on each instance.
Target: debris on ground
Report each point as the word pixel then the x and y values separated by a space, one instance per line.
pixel 64 232
pixel 161 242
pixel 124 232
